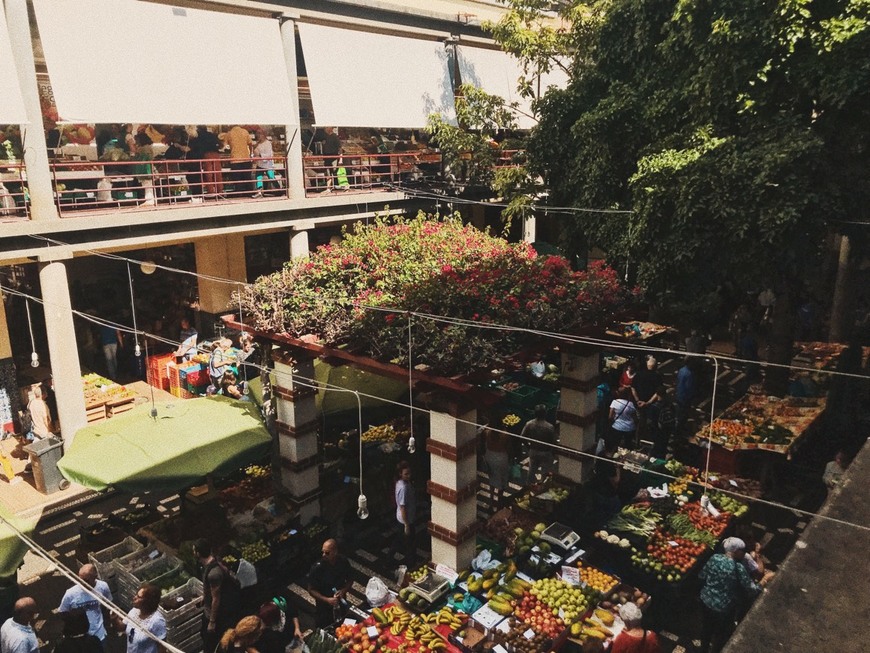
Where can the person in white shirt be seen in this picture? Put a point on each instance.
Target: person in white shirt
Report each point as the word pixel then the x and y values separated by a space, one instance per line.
pixel 77 597
pixel 16 634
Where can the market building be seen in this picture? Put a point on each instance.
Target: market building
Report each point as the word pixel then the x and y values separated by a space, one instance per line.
pixel 342 142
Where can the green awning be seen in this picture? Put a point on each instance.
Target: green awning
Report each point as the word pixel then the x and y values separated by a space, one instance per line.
pixel 188 440
pixel 12 548
pixel 331 401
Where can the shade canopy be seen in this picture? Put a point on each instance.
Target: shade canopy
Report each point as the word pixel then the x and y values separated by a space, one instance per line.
pixel 188 440
pixel 498 73
pixel 362 79
pixel 11 104
pixel 13 548
pixel 331 400
pixel 117 61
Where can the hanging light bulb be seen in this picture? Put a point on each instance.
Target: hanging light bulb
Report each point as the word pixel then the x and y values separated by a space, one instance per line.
pixel 363 507
pixel 138 350
pixel 412 445
pixel 34 359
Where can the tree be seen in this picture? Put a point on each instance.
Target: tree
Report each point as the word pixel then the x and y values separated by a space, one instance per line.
pixel 736 133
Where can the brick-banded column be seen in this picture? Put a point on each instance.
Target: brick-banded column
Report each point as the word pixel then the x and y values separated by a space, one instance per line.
pixel 578 411
pixel 297 431
pixel 453 458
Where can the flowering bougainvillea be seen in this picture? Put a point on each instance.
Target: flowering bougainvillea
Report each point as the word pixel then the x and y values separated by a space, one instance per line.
pixel 462 284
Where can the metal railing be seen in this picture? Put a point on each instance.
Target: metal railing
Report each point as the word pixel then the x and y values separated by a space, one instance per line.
pixel 162 183
pixel 366 172
pixel 14 198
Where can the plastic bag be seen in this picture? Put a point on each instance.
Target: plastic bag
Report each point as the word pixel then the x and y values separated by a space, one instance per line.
pixel 297 646
pixel 376 592
pixel 247 574
pixel 483 561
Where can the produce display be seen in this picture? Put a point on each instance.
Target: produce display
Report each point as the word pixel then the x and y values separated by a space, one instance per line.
pixel 255 552
pixel 393 630
pixel 537 614
pixel 321 642
pixel 385 433
pixel 601 582
pixel 564 599
pixel 668 556
pixel 762 422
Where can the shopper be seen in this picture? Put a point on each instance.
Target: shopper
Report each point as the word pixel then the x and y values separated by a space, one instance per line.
pixel 218 360
pixel 328 583
pixel 222 595
pixel 264 164
pixel 40 416
pixel 406 513
pixel 144 612
pixel 634 638
pixel 16 634
pixel 78 597
pixel 646 386
pixel 497 458
pixel 75 635
pixel 540 433
pixel 725 582
pixel 111 339
pixel 623 420
pixel 241 637
pixel 684 395
pixel 834 470
pixel 280 626
pixel 187 341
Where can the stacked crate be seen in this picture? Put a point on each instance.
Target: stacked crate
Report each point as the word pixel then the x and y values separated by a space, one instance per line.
pixel 127 582
pixel 158 375
pixel 104 560
pixel 184 622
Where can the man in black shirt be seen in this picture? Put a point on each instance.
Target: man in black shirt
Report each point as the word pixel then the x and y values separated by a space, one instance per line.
pixel 646 387
pixel 328 582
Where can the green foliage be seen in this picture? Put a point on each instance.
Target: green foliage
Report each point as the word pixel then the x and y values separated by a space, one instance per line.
pixel 734 131
pixel 357 293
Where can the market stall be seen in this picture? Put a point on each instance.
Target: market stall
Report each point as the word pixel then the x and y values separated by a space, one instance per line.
pixel 180 446
pixel 105 398
pixel 758 422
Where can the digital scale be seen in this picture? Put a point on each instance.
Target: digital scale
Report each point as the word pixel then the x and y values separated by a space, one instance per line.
pixel 560 535
pixel 431 587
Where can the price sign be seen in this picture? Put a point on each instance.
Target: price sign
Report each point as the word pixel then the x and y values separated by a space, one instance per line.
pixel 498 648
pixel 349 622
pixel 571 575
pixel 446 572
pixel 672 543
pixel 529 634
pixel 372 631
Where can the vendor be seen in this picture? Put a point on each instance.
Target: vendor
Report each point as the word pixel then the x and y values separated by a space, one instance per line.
pixel 329 582
pixel 187 339
pixel 634 638
pixel 219 360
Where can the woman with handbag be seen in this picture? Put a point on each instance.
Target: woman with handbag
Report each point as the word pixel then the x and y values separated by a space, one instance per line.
pixel 623 420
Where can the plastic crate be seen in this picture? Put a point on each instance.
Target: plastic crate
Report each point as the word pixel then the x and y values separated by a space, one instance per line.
pixel 181 393
pixel 185 630
pixel 152 571
pixel 104 560
pixel 192 607
pixel 191 645
pixel 138 558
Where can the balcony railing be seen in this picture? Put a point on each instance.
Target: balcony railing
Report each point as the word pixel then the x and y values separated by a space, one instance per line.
pixel 162 183
pixel 367 172
pixel 88 186
pixel 14 200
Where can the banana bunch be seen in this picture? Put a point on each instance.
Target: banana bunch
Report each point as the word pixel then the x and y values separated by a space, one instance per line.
pixel 445 617
pixel 396 617
pixel 383 433
pixel 257 471
pixel 421 633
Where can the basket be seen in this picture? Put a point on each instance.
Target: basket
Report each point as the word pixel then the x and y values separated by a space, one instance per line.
pixel 191 592
pixel 104 560
pixel 152 572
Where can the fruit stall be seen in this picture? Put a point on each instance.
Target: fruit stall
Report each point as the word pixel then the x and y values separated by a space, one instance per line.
pixel 105 398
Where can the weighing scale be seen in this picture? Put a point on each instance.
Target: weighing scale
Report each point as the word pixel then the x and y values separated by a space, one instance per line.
pixel 431 587
pixel 560 535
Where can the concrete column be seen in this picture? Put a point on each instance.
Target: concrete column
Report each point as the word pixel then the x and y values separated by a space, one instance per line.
pixel 299 247
pixel 5 342
pixel 223 257
pixel 452 445
pixel 529 229
pixel 297 432
pixel 295 173
pixel 577 412
pixel 39 184
pixel 65 368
